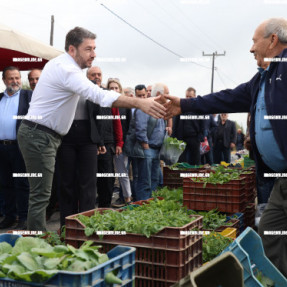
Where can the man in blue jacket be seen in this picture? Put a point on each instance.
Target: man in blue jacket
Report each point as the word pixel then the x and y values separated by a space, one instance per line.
pixel 14 104
pixel 150 134
pixel 264 96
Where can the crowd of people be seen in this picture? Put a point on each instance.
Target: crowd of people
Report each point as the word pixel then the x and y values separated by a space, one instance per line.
pixel 103 142
pixel 78 133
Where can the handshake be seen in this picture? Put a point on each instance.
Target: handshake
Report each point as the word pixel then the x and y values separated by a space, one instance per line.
pixel 162 106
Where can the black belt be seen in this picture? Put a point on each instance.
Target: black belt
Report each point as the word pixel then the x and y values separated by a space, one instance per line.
pixel 41 128
pixel 8 142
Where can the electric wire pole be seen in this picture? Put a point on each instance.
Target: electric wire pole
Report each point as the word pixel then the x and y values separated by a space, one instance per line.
pixel 52 30
pixel 213 59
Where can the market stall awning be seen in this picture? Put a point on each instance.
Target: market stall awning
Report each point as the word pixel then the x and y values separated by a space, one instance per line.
pixel 22 51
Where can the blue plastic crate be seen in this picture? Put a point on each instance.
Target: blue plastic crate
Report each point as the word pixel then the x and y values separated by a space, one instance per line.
pixel 122 258
pixel 9 238
pixel 248 249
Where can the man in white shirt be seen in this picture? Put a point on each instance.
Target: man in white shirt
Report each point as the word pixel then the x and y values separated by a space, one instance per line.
pixel 52 111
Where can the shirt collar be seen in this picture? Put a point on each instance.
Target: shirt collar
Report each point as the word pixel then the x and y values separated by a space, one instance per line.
pixel 72 60
pixel 15 94
pixel 261 70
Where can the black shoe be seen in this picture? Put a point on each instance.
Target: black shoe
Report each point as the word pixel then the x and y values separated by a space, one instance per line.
pixel 7 222
pixel 118 203
pixel 22 225
pixel 116 189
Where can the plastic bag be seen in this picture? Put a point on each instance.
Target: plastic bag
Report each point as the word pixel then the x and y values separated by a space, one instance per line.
pixel 171 150
pixel 204 147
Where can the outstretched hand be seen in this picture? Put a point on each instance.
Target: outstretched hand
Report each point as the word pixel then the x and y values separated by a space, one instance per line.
pixel 154 107
pixel 172 106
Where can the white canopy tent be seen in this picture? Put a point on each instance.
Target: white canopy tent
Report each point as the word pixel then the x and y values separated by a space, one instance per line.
pixel 22 51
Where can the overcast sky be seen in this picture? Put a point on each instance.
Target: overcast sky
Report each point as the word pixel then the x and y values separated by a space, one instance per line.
pixel 184 27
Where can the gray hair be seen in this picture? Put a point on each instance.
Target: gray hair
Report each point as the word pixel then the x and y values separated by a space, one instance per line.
pixel 76 36
pixel 157 87
pixel 277 26
pixel 131 90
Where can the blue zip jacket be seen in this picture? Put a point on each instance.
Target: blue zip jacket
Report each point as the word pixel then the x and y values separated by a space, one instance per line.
pixel 243 99
pixel 157 136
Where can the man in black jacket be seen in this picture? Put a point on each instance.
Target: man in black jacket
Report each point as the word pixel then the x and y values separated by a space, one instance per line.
pixel 224 139
pixel 14 103
pixel 191 131
pixel 78 157
pixel 105 162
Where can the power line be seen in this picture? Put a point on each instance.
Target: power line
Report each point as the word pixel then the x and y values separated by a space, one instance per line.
pixel 203 32
pixel 182 23
pixel 170 27
pixel 176 21
pixel 228 78
pixel 148 37
pixel 145 35
pixel 219 76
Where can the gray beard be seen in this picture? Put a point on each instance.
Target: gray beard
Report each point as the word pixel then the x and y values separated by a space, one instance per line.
pixel 12 90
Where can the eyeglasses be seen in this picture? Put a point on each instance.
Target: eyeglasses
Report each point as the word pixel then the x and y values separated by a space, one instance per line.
pixel 140 87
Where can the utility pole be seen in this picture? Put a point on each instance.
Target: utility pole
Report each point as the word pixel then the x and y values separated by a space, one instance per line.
pixel 52 30
pixel 213 59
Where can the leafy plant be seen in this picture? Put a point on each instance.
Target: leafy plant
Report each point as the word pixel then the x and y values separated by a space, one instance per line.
pixel 146 219
pixel 213 219
pixel 217 177
pixel 169 194
pixel 35 260
pixel 213 244
pixel 175 143
pixel 53 238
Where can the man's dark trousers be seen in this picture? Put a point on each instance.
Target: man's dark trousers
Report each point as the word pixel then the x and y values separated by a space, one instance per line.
pixel 220 152
pixel 15 189
pixel 105 184
pixel 78 167
pixel 274 220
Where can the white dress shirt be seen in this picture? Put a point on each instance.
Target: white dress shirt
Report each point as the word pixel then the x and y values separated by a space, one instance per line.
pixel 57 93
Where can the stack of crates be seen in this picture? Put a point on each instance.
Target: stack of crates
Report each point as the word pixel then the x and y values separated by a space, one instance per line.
pixel 236 196
pixel 249 214
pixel 228 197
